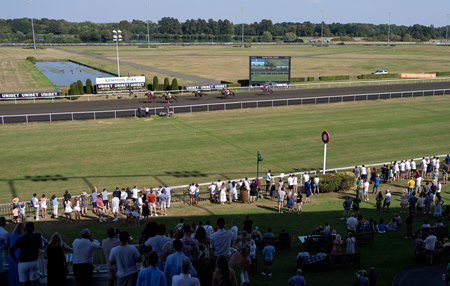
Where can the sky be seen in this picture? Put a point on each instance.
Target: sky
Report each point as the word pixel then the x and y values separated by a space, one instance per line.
pixel 398 12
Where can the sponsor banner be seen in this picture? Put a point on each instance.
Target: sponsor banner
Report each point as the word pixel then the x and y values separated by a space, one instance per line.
pixel 120 80
pixel 417 75
pixel 206 87
pixel 25 95
pixel 120 83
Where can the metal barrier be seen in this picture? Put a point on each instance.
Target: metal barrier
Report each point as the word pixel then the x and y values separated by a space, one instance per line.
pixel 103 114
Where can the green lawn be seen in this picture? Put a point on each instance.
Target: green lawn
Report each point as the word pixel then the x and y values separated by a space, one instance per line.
pixel 52 157
pixel 206 146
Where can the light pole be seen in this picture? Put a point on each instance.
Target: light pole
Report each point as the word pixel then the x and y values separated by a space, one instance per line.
pixel 32 25
pixel 242 27
pixel 389 29
pixel 321 30
pixel 117 37
pixel 148 28
pixel 446 30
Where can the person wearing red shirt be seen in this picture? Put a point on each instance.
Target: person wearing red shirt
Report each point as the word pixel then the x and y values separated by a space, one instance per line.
pixel 152 203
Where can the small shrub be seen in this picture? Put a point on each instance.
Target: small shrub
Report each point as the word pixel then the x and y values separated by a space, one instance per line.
pixel 443 73
pixel 174 86
pixel 378 76
pixel 166 84
pixel 88 89
pixel 31 59
pixel 333 78
pixel 155 83
pixel 310 78
pixel 297 79
pixel 336 182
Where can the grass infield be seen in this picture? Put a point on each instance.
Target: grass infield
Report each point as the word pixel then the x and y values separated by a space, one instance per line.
pixel 52 157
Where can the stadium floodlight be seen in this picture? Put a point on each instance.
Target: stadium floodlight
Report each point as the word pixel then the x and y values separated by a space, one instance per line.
pixel 117 37
pixel 32 24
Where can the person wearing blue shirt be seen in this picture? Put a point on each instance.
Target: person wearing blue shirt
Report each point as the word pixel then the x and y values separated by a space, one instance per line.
pixel 151 276
pixel 268 254
pixel 174 260
pixel 376 184
pixel 297 280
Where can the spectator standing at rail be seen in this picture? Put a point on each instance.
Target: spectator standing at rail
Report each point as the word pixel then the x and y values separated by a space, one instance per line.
pixel 105 200
pixel 35 205
pixel 83 251
pixel 94 196
pixel 268 178
pixel 55 206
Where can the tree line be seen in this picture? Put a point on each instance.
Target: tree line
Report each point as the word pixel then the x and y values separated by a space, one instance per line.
pixel 170 29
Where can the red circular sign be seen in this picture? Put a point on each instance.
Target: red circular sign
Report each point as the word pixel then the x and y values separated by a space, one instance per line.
pixel 325 137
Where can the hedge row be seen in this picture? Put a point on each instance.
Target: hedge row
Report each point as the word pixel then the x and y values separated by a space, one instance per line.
pixel 332 78
pixel 447 73
pixel 378 76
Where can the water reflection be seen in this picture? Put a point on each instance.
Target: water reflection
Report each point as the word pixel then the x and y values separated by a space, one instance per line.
pixel 65 73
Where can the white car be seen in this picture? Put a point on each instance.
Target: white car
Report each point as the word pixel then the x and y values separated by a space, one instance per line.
pixel 380 72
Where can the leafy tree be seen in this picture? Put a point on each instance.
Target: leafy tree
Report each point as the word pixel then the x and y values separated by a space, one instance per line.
pixel 79 87
pixel 155 83
pixel 166 83
pixel 290 36
pixel 89 89
pixel 266 37
pixel 174 85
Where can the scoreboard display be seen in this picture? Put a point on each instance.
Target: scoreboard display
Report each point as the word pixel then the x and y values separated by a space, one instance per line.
pixel 270 69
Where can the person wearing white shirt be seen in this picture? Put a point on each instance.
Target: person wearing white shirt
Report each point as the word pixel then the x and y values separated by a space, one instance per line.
pixel 268 178
pixel 83 251
pixel 115 207
pixel 185 278
pixel 104 194
pixel 408 169
pixel 35 205
pixel 168 192
pixel 363 172
pixel 305 178
pixel 413 167
pixel 125 257
pixel 135 194
pixel 295 182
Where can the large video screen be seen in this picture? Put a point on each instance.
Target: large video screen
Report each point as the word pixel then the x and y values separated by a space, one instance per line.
pixel 270 69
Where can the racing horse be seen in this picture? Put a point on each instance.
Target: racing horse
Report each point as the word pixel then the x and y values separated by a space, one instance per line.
pixel 167 96
pixel 267 88
pixel 198 93
pixel 226 92
pixel 151 95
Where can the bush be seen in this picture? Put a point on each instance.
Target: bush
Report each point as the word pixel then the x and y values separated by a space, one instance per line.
pixel 310 78
pixel 174 85
pixel 297 79
pixel 89 89
pixel 336 182
pixel 332 78
pixel 155 83
pixel 244 82
pixel 80 87
pixel 247 45
pixel 378 76
pixel 442 73
pixel 32 59
pixel 166 84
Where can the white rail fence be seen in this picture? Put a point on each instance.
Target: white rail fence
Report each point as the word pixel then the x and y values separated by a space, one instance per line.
pixel 307 85
pixel 103 114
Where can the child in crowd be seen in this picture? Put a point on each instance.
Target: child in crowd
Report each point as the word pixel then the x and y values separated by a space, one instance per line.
pixel 299 203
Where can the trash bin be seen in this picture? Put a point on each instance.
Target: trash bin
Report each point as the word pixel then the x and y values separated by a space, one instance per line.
pixel 245 196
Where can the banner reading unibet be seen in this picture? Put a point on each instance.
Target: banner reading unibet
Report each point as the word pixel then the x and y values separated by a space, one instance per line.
pixel 119 83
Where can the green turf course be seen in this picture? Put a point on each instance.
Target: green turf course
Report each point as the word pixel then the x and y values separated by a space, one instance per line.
pixel 206 146
pixel 52 157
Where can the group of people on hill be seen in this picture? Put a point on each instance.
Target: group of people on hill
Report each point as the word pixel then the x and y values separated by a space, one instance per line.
pixel 197 254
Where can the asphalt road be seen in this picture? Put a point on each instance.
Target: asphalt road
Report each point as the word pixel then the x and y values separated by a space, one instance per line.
pixel 189 101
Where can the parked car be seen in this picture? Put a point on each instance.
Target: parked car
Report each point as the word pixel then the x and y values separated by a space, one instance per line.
pixel 380 72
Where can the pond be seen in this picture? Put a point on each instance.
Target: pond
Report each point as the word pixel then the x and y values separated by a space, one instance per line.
pixel 64 73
